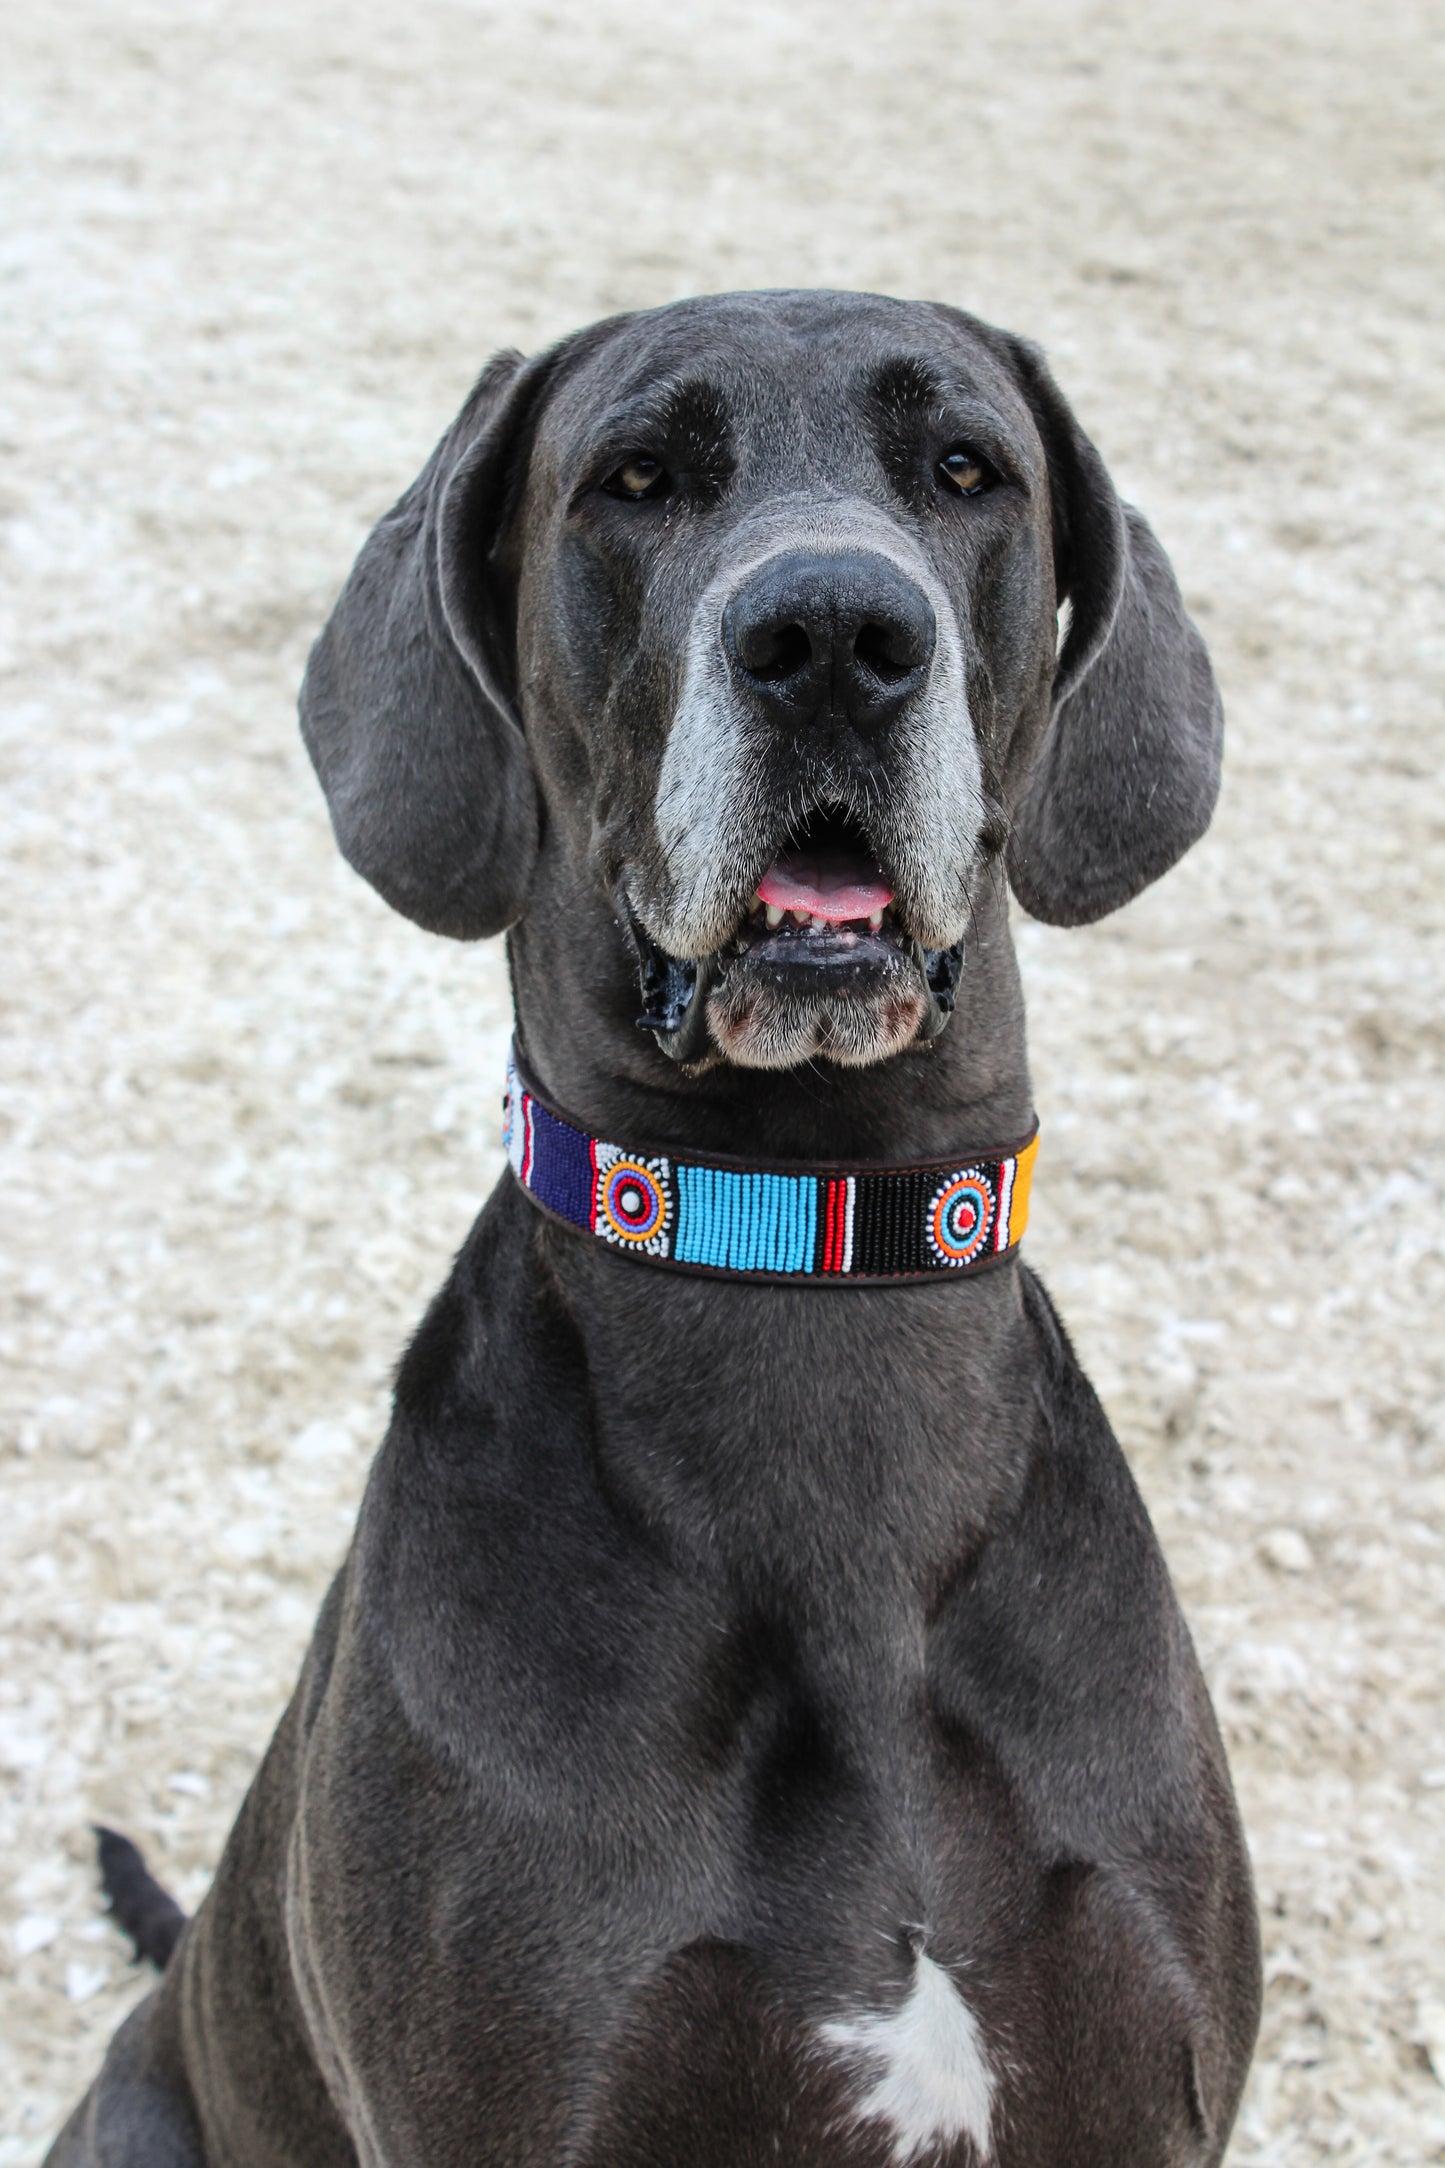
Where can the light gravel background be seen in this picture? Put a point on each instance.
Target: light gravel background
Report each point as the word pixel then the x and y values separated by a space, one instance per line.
pixel 252 258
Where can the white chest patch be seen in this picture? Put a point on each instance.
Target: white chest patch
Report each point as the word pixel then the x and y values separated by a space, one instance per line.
pixel 927 2074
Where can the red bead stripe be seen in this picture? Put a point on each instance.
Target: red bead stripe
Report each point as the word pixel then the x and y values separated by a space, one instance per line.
pixel 837 1226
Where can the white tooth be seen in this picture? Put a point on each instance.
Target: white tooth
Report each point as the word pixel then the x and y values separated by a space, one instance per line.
pixel 875 920
pixel 775 916
pixel 819 925
pixel 800 916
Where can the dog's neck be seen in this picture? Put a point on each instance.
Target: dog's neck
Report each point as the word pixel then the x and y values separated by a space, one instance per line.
pixel 954 1344
pixel 577 1000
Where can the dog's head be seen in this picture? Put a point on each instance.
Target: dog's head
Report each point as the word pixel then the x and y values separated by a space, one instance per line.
pixel 742 617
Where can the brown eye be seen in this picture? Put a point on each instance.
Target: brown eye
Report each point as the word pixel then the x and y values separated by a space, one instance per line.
pixel 965 471
pixel 638 478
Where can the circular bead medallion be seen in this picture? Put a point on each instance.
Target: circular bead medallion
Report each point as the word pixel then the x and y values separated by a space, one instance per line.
pixel 633 1201
pixel 958 1218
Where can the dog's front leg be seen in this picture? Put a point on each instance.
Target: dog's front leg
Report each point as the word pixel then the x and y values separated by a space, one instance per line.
pixel 139 2112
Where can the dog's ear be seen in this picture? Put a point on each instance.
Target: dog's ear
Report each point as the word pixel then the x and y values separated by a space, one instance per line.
pixel 1127 773
pixel 408 703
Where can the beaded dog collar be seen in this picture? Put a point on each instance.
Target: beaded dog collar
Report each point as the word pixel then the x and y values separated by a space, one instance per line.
pixel 866 1225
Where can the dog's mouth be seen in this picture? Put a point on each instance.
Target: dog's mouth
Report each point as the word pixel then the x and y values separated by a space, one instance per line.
pixel 820 965
pixel 824 904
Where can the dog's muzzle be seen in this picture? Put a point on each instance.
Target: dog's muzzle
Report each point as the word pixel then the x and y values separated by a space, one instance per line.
pixel 822 733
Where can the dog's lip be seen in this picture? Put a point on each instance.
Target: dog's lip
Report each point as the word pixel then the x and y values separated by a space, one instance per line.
pixel 826 883
pixel 795 940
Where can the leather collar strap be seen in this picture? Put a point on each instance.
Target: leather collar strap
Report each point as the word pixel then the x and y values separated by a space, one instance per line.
pixel 863 1225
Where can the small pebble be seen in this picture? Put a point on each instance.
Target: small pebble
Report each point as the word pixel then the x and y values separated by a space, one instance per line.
pixel 35 1931
pixel 83 1981
pixel 1287 1551
pixel 1430 2032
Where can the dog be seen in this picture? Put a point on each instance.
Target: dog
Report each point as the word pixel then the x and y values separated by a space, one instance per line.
pixel 753 1722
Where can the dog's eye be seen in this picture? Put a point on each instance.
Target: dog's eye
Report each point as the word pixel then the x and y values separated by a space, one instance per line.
pixel 638 478
pixel 965 471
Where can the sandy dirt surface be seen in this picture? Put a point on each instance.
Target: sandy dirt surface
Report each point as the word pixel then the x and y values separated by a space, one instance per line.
pixel 251 259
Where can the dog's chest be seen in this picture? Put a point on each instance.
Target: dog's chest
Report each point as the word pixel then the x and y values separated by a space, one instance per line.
pixel 775 1928
pixel 757 1926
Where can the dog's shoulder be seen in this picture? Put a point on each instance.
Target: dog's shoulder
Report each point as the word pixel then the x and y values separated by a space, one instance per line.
pixel 1060 1643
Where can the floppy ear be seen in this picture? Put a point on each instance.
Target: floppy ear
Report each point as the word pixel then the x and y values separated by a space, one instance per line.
pixel 407 707
pixel 1127 773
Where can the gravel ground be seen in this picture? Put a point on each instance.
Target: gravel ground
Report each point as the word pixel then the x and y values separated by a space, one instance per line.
pixel 252 259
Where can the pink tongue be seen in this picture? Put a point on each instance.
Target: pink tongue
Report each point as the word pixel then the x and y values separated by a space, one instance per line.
pixel 827 884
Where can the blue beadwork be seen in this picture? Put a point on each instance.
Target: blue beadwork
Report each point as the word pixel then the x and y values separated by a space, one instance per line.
pixel 746 1222
pixel 562 1171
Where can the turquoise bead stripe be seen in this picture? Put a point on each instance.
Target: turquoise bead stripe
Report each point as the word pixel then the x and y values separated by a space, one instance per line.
pixel 806 1232
pixel 746 1222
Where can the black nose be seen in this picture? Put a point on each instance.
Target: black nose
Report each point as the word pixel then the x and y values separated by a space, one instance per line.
pixel 849 631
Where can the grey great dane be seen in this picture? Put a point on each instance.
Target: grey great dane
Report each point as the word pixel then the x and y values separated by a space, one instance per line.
pixel 753 1723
